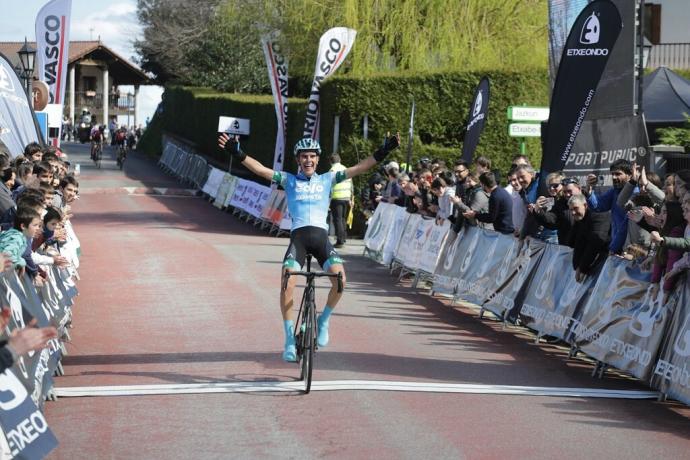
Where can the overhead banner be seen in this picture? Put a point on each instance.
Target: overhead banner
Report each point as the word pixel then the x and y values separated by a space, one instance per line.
pixel 334 46
pixel 17 124
pixel 672 370
pixel 603 141
pixel 584 58
pixel 476 119
pixel 52 42
pixel 278 76
pixel 624 326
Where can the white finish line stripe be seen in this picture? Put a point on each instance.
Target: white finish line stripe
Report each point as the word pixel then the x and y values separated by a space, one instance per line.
pixel 342 385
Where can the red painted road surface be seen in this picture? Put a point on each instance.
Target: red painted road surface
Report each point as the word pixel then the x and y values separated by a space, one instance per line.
pixel 173 290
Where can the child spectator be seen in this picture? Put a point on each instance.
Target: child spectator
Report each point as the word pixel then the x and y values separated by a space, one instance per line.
pixel 14 241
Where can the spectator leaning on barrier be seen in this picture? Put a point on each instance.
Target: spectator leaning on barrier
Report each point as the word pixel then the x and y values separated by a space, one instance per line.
pixel 559 217
pixel 371 194
pixel 444 191
pixel 391 191
pixel 341 202
pixel 589 237
pixel 500 212
pixel 476 199
pixel 519 210
pixel 673 226
pixel 621 171
pixel 403 181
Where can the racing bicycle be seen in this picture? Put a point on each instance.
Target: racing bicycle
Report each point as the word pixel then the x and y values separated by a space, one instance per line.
pixel 97 154
pixel 121 155
pixel 305 329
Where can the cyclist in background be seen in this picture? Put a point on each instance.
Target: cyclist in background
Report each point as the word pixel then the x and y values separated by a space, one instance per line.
pixel 308 197
pixel 96 137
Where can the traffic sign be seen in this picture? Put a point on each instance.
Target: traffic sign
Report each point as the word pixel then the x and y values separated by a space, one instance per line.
pixel 524 130
pixel 524 113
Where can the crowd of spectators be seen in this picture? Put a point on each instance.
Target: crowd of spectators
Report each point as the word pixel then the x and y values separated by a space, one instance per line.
pixel 36 195
pixel 638 217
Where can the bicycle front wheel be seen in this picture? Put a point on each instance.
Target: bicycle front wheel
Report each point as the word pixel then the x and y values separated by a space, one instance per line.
pixel 307 346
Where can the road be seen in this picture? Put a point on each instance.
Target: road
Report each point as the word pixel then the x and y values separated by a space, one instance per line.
pixel 174 291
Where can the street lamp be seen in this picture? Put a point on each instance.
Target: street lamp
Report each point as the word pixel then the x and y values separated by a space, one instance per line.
pixel 27 57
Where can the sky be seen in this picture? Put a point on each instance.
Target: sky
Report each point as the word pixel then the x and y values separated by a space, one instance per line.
pixel 114 21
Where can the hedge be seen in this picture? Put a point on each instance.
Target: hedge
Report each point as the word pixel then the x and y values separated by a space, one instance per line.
pixel 442 103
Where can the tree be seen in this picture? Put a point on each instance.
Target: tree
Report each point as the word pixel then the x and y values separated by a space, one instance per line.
pixel 172 29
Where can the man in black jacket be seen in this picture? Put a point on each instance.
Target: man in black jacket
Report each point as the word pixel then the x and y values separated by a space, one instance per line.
pixel 500 206
pixel 589 237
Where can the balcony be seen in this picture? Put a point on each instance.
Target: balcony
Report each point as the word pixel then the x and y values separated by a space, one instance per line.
pixel 671 55
pixel 117 104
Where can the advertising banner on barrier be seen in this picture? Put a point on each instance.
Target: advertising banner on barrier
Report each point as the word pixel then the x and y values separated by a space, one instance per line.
pixel 52 43
pixel 213 183
pixel 481 265
pixel 26 366
pixel 476 119
pixel 554 300
pixel 671 373
pixel 445 280
pixel 238 194
pixel 24 425
pixel 584 58
pixel 512 279
pixel 400 217
pixel 378 228
pixel 431 250
pixel 408 234
pixel 334 46
pixel 421 234
pixel 624 326
pixel 233 181
pixel 278 76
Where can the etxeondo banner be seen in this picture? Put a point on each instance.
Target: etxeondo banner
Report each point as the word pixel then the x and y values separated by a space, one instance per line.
pixel 278 75
pixel 17 124
pixel 584 58
pixel 52 41
pixel 334 47
pixel 476 119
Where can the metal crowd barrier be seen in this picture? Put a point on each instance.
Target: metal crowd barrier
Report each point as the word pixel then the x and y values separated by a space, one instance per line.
pixel 532 284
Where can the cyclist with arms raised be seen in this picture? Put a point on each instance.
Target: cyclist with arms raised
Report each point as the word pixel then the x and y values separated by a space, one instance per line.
pixel 308 196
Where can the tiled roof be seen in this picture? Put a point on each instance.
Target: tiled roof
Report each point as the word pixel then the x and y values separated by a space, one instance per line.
pixel 77 50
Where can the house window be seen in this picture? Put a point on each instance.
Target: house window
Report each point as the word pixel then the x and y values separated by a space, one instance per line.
pixel 89 83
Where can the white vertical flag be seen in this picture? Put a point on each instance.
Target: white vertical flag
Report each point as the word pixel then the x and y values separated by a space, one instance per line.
pixel 278 75
pixel 334 47
pixel 52 42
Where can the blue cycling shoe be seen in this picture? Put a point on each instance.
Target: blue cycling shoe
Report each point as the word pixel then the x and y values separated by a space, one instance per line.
pixel 322 336
pixel 290 353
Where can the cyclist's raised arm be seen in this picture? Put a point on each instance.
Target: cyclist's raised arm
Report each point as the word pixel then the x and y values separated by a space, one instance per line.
pixel 232 146
pixel 389 143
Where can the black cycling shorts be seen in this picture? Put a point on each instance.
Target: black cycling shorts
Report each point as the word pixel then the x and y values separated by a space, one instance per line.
pixel 310 240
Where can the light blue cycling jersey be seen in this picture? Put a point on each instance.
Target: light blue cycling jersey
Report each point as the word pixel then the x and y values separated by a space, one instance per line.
pixel 308 197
